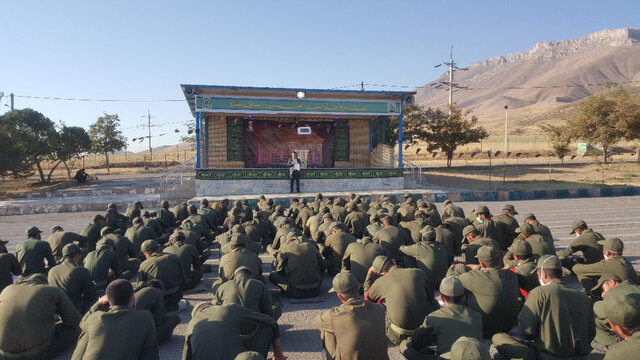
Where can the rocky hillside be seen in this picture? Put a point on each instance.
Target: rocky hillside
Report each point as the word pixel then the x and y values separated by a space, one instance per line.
pixel 540 84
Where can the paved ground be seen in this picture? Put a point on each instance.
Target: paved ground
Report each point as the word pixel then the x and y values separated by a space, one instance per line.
pixel 300 339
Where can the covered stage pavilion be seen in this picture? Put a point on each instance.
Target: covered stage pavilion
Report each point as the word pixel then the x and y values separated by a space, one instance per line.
pixel 245 135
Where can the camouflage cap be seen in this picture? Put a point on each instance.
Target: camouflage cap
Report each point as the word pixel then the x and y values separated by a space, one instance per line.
pixel 614 245
pixel 577 224
pixel 344 283
pixel 621 310
pixel 421 203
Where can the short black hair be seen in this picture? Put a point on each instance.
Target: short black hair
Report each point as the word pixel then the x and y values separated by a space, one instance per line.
pixel 453 299
pixel 554 273
pixel 119 292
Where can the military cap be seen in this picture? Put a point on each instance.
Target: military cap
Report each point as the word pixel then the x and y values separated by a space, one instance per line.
pixel 622 311
pixel 106 241
pixel 106 230
pixel 576 224
pixel 111 211
pixel 350 206
pixel 164 203
pixel 249 355
pixel 510 208
pixel 487 253
pixel 548 262
pixel 419 213
pixel 137 220
pixel 245 202
pixel 466 348
pixel 344 283
pixel 327 216
pixel 241 268
pixel 604 278
pixel 147 214
pixel 481 209
pixel 528 216
pixel 383 211
pixel 97 217
pixel 71 249
pixel 138 203
pixel 447 202
pixel 112 206
pixel 176 235
pixel 149 245
pixel 269 201
pixel 468 230
pixel 238 229
pixel 56 228
pixel 334 224
pixel 292 236
pixel 3 242
pixel 526 229
pixel 32 231
pixel 318 196
pixel 421 203
pixel 204 202
pixel 238 239
pixel 520 248
pixel 428 233
pixel 614 245
pixel 352 195
pixel 192 209
pixel 451 287
pixel 378 263
pixel 287 220
pixel 384 198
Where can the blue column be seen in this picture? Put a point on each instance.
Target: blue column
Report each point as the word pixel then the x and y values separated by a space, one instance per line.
pixel 400 135
pixel 370 136
pixel 197 140
pixel 206 140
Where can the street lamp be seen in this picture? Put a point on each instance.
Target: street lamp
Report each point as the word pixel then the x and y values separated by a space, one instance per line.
pixel 506 124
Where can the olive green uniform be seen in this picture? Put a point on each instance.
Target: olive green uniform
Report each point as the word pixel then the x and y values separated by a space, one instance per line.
pixel 30 256
pixel 98 262
pixel 414 227
pixel 126 253
pixel 442 328
pixel 116 223
pixel 30 326
pixel 628 349
pixel 431 257
pixel 587 242
pixel 190 260
pixel 558 319
pixel 359 256
pixel 339 213
pixel 354 330
pixel 215 333
pixel 152 300
pixel 527 280
pixel 453 211
pixel 333 250
pixel 236 258
pixel 167 219
pixel 604 335
pixel 470 250
pixel 59 239
pixel 396 237
pixel 8 265
pixel 588 274
pixel 494 294
pixel 76 282
pixel 489 229
pixel 137 234
pixel 132 212
pixel 357 222
pixel 507 225
pixel 248 292
pixel 447 237
pixel 168 269
pixel 119 333
pixel 542 230
pixel 408 297
pixel 92 233
pixel 299 270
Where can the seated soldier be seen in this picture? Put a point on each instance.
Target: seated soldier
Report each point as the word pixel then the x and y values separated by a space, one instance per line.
pixel 299 269
pixel 623 315
pixel 150 296
pixel 8 266
pixel 102 263
pixel 472 243
pixel 355 329
pixel 359 256
pixel 128 263
pixel 334 248
pixel 164 267
pixel 524 266
pixel 609 285
pixel 215 333
pixel 239 256
pixel 442 327
pixel 587 242
pixel 74 279
pixel 59 238
pixel 244 290
pixel 189 258
pixel 103 328
pixel 429 256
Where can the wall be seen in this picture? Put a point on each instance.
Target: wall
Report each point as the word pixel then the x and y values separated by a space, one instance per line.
pixel 383 156
pixel 358 146
pixel 218 145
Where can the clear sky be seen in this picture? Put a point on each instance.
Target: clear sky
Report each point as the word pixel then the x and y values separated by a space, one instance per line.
pixel 143 50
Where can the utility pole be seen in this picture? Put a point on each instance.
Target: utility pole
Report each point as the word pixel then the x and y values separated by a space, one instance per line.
pixel 450 79
pixel 450 84
pixel 148 125
pixel 362 86
pixel 11 96
pixel 506 124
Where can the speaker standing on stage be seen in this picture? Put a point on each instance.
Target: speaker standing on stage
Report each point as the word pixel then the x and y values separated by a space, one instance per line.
pixel 294 170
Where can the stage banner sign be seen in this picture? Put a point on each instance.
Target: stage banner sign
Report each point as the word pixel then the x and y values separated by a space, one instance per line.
pixel 306 106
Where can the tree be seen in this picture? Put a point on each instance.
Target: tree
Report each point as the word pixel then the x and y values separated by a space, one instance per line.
pixel 106 137
pixel 190 138
pixel 32 136
pixel 441 131
pixel 560 139
pixel 628 115
pixel 71 142
pixel 594 120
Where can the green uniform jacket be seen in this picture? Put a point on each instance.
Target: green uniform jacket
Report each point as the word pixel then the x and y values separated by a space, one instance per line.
pixel 489 229
pixel 359 256
pixel 470 250
pixel 413 228
pixel 431 257
pixel 236 258
pixel 494 294
pixel 526 279
pixel 507 226
pixel 59 239
pixel 457 225
pixel 76 282
pixel 164 267
pixel 396 237
pixel 446 236
pixel 137 234
pixel 339 213
pixel 180 212
pixel 210 217
pixel 313 223
pixel 245 291
pixel 407 294
pixel 30 256
pixel 540 246
pixel 559 320
pixel 214 333
pixel 454 211
pixel 124 250
pixel 188 255
pixel 617 265
pixel 28 316
pixel 132 212
pixel 628 349
pixel 167 218
pixel 98 262
pixel 444 326
pixel 334 248
pixel 92 233
pixel 587 242
pixel 301 264
pixel 354 330
pixel 151 299
pixel 542 230
pixel 154 224
pixel 120 333
pixel 8 265
pixel 358 222
pixel 434 216
pixel 116 223
pixel 604 334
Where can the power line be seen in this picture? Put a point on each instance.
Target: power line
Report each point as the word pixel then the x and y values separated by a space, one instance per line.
pixel 96 100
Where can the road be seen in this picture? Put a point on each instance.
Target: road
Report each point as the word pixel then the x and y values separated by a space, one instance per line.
pixel 300 340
